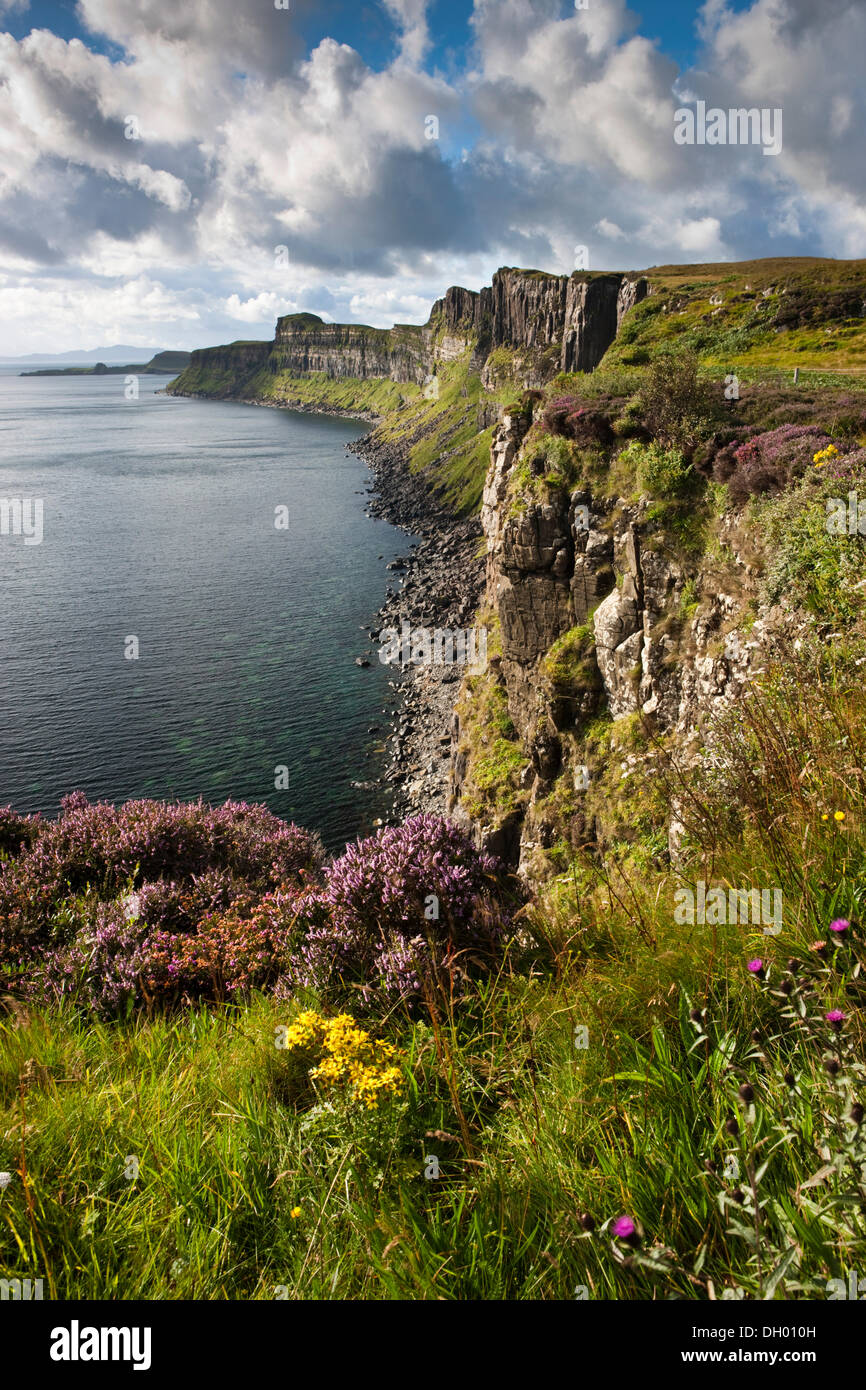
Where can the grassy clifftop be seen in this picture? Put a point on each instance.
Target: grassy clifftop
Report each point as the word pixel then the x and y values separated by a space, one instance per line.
pixel 762 315
pixel 758 319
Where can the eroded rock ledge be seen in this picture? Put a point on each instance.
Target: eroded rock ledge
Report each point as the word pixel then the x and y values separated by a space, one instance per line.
pixel 606 568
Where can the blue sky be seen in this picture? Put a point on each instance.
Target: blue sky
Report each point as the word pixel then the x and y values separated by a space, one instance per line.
pixel 284 160
pixel 368 29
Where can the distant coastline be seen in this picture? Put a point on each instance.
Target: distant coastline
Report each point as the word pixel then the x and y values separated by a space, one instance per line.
pixel 161 364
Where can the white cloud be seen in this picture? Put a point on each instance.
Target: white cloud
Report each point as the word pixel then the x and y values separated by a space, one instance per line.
pixel 256 143
pixel 609 230
pixel 263 308
pixel 384 307
pixel 411 16
pixel 701 237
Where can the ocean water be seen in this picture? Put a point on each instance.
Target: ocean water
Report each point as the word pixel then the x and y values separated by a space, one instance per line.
pixel 159 524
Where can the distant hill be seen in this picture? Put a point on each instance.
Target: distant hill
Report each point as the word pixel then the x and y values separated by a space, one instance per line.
pixel 120 353
pixel 168 361
pixel 165 363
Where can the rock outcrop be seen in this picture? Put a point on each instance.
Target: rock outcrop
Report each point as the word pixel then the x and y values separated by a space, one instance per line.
pixel 304 344
pixel 598 573
pixel 553 322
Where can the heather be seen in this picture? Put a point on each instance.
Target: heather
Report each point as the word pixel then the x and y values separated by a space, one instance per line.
pixel 411 906
pixel 623 1108
pixel 149 906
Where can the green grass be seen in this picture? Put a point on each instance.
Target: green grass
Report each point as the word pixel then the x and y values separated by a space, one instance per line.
pixel 760 316
pixel 377 396
pixel 530 1127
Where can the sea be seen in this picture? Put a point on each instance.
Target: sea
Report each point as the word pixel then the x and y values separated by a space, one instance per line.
pixel 186 625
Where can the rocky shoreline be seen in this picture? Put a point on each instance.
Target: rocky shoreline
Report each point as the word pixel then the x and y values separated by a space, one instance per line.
pixel 439 583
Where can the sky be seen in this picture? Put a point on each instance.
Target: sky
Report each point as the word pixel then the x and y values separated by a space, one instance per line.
pixel 180 172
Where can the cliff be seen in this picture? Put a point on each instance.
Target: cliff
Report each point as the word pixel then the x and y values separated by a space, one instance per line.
pixel 550 323
pixel 435 389
pixel 606 625
pixel 630 595
pixel 656 538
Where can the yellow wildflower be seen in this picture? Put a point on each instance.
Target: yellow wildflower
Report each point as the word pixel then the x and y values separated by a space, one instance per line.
pixel 838 815
pixel 295 1213
pixel 825 455
pixel 347 1056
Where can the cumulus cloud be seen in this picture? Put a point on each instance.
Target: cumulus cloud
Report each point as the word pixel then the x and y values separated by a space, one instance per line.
pixel 212 136
pixel 259 309
pixel 411 17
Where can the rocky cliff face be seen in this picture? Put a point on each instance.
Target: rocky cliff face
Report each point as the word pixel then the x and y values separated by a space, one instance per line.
pixel 305 344
pixel 556 322
pixel 599 576
pixel 221 371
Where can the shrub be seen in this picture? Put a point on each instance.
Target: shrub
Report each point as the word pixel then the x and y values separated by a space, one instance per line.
pixel 769 462
pixel 662 472
pixel 335 1055
pixel 584 424
pixel 119 904
pixel 16 831
pixel 119 963
pixel 404 907
pixel 101 968
pixel 228 954
pixel 679 407
pixel 809 564
pixel 103 849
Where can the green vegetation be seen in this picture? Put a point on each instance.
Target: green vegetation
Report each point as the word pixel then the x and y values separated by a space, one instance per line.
pixel 715 1108
pixel 376 396
pixel 815 561
pixel 662 472
pixel 490 752
pixel 569 661
pixel 440 435
pixel 639 1104
pixel 770 314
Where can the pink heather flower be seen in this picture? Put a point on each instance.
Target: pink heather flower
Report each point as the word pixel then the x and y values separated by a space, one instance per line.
pixel 756 967
pixel 841 924
pixel 836 1018
pixel 624 1228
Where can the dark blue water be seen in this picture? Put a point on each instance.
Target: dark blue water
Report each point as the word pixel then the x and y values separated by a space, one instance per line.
pixel 159 524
